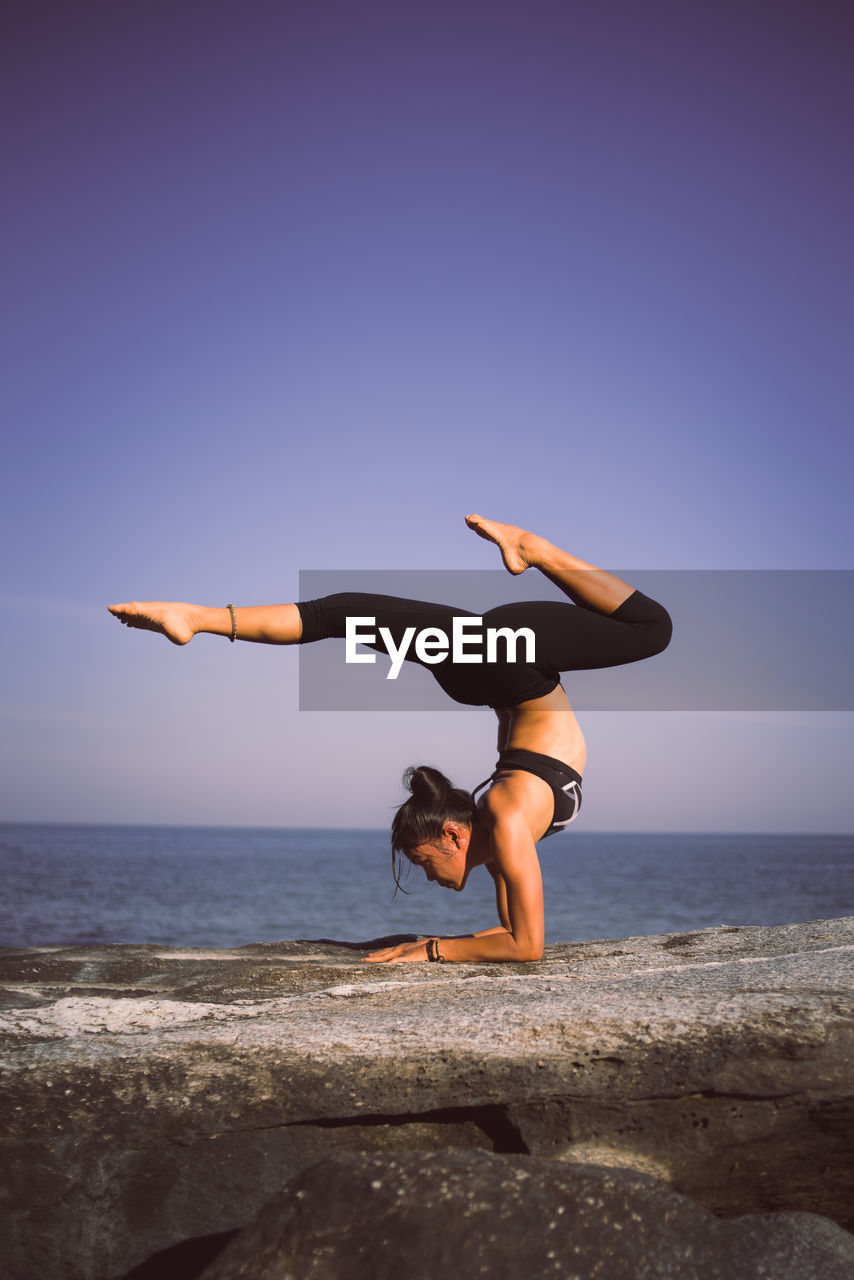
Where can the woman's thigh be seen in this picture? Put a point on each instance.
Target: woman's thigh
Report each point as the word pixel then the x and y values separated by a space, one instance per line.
pixel 327 616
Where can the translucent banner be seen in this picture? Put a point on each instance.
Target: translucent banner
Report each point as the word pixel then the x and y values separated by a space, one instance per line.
pixel 743 640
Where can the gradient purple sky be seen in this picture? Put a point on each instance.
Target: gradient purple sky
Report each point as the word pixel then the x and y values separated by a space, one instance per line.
pixel 296 285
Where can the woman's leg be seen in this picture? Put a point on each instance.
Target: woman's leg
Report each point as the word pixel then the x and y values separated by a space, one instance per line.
pixel 262 624
pixel 286 623
pixel 327 616
pixel 586 585
pixel 615 623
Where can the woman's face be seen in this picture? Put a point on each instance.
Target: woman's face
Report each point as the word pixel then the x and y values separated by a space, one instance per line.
pixel 444 859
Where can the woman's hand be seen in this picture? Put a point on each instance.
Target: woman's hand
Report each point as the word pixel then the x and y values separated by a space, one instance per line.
pixel 397 955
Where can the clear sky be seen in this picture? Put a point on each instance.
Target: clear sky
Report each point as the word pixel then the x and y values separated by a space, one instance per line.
pixel 296 285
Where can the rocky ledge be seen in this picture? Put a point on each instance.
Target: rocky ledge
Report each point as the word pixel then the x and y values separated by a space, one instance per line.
pixel 630 1101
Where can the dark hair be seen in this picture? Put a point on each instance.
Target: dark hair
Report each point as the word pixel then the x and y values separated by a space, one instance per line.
pixel 420 819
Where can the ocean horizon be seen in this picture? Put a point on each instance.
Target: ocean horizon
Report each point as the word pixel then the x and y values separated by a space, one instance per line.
pixel 181 885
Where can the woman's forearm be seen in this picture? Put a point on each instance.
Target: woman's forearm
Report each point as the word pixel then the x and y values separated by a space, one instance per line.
pixel 492 946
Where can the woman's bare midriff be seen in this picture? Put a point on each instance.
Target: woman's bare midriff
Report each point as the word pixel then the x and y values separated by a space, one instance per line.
pixel 547 725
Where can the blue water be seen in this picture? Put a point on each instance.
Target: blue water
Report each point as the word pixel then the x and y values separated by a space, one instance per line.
pixel 223 887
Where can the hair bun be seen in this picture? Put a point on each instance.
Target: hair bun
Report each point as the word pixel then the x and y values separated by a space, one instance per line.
pixel 427 785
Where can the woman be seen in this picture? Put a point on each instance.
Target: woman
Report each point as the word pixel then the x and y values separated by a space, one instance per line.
pixel 536 787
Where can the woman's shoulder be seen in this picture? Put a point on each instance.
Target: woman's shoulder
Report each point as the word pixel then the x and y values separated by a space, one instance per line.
pixel 517 797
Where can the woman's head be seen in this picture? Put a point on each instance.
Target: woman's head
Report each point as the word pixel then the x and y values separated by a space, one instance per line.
pixel 436 819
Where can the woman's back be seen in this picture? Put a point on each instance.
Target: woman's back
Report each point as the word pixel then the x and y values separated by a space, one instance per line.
pixel 547 725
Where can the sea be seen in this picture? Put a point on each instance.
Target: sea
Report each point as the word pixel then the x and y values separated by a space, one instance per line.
pixel 232 886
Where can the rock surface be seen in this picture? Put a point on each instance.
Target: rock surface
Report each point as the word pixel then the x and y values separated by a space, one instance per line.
pixel 151 1096
pixel 507 1217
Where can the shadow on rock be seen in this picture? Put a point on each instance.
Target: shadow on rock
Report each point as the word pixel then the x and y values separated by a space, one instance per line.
pixel 393 940
pixel 184 1261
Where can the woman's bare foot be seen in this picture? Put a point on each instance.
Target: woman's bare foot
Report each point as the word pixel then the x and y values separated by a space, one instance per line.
pixel 517 546
pixel 175 621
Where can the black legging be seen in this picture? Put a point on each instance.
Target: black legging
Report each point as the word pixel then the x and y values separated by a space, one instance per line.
pixel 568 637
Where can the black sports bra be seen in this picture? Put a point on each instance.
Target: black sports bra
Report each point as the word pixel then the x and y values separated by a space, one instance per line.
pixel 563 780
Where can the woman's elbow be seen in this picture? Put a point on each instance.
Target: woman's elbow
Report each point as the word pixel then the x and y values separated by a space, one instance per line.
pixel 528 952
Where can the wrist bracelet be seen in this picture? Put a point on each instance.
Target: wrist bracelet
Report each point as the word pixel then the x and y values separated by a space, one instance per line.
pixel 433 951
pixel 230 608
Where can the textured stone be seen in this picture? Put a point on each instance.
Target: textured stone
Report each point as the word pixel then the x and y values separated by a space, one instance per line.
pixel 506 1217
pixel 151 1095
